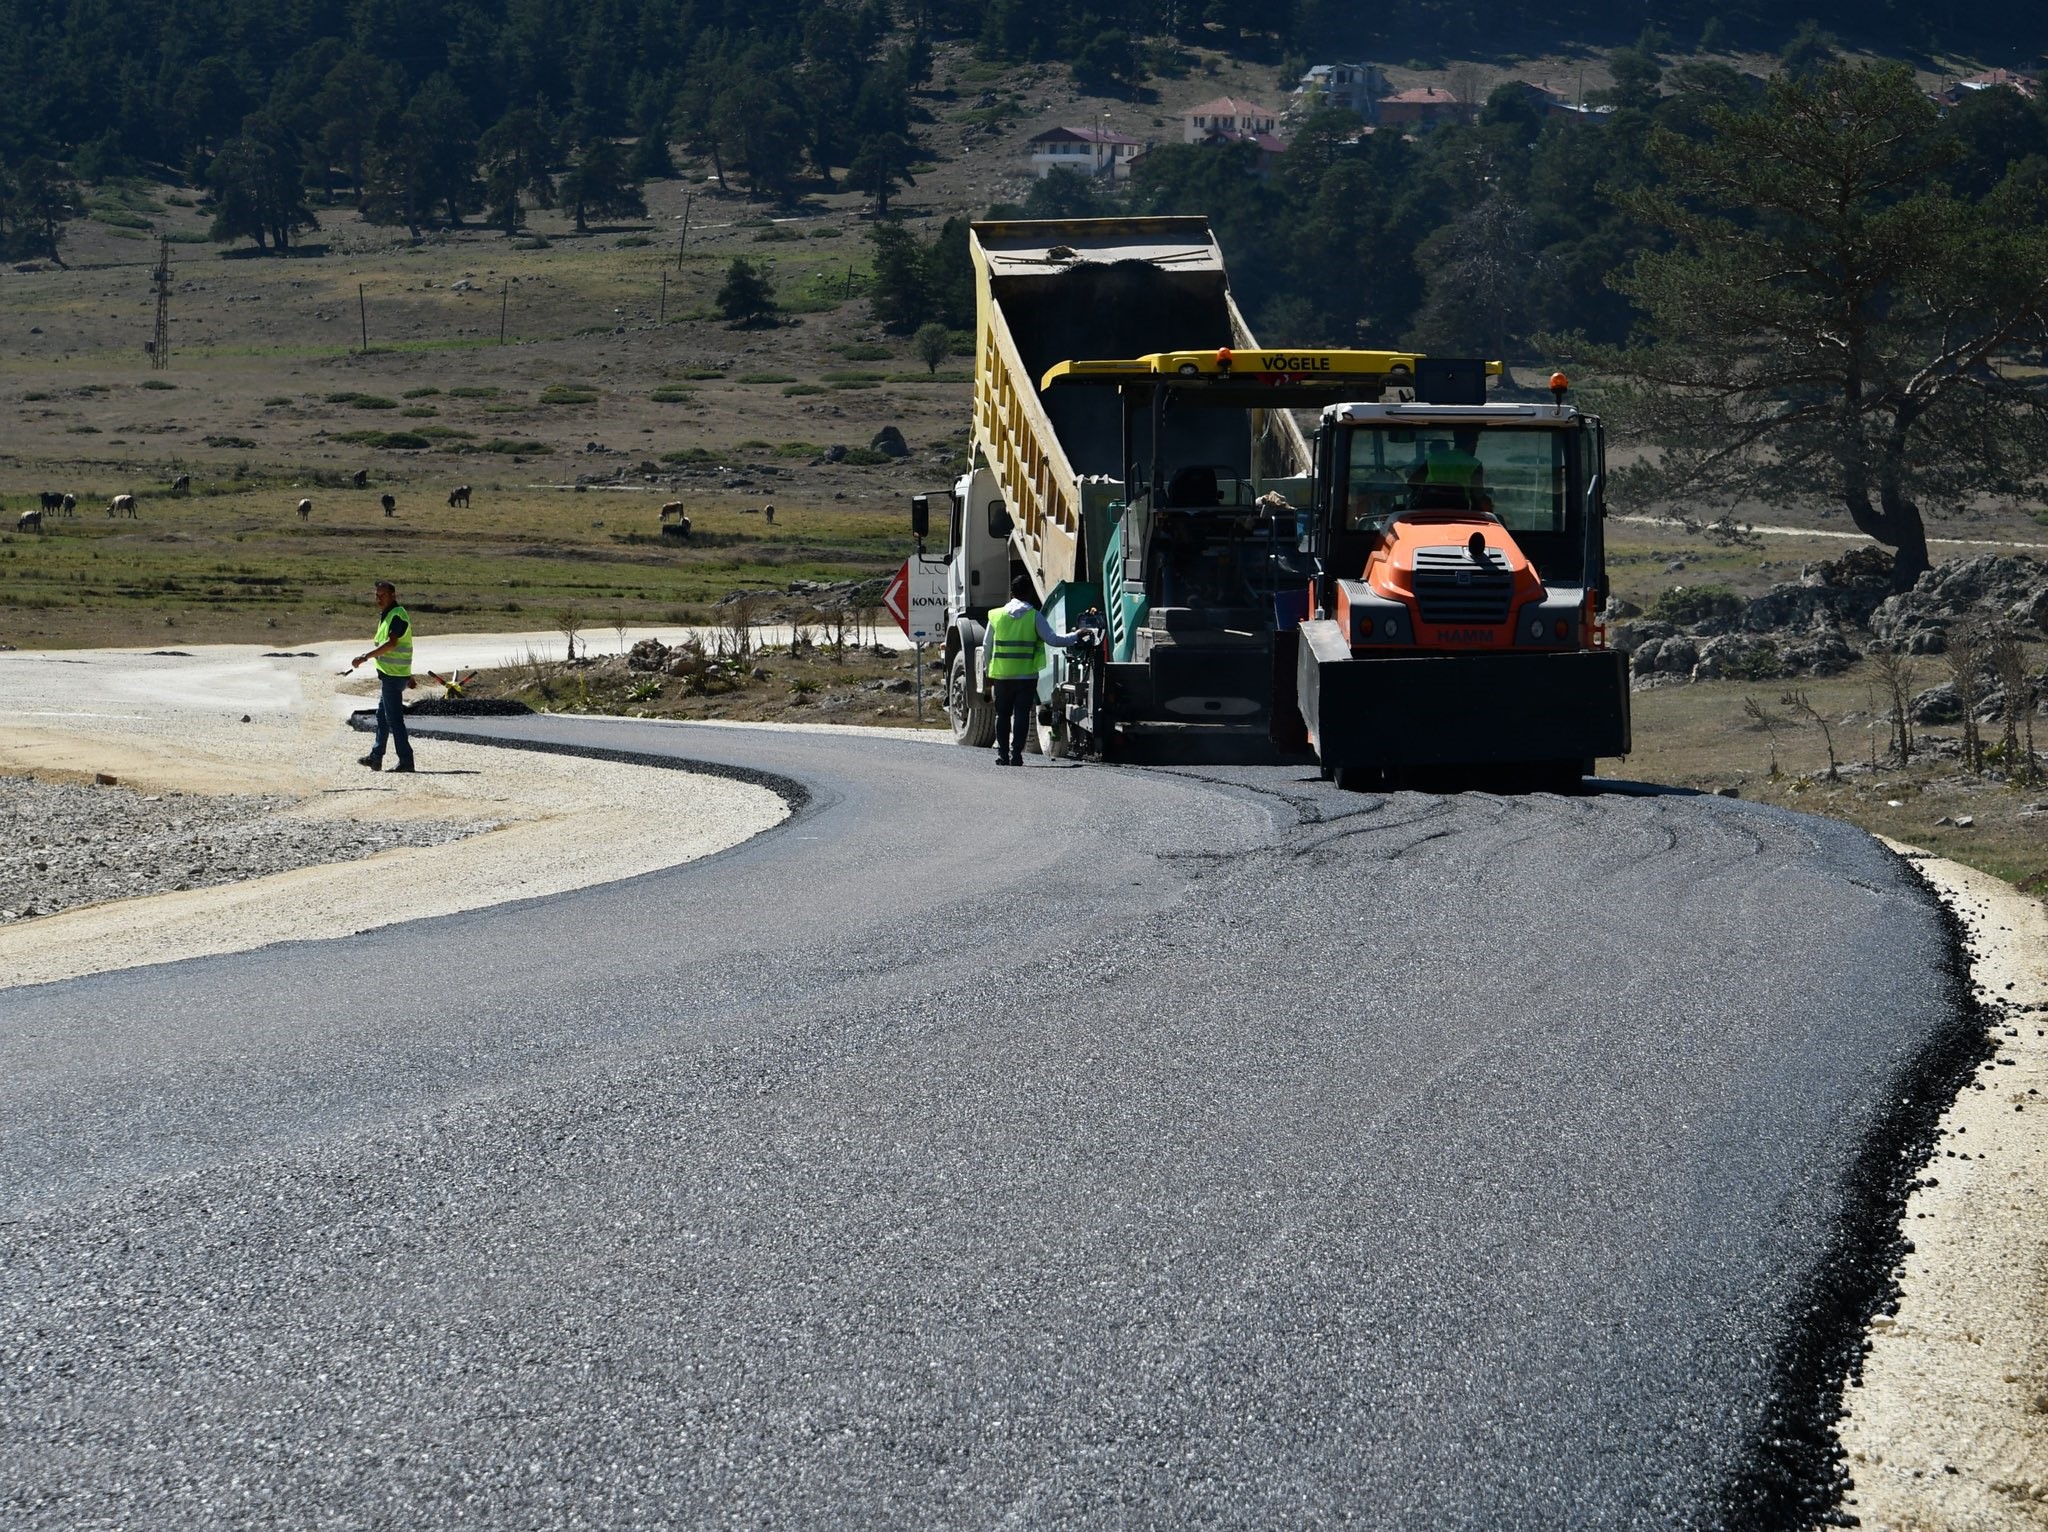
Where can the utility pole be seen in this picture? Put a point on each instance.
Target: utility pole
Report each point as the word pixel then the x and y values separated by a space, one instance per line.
pixel 363 313
pixel 688 198
pixel 664 295
pixel 504 307
pixel 160 347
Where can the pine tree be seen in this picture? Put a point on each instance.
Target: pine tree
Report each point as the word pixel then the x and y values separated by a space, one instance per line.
pixel 1827 323
pixel 746 297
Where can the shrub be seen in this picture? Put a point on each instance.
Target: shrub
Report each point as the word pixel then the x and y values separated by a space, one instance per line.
pixel 764 377
pixel 420 393
pixel 567 393
pixel 689 455
pixel 826 231
pixel 420 412
pixel 363 401
pixel 155 383
pixel 633 241
pixel 1694 603
pixel 867 457
pixel 865 351
pixel 702 374
pixel 473 391
pixel 232 443
pixel 796 389
pixel 668 393
pixel 510 445
pixel 851 377
pixel 776 234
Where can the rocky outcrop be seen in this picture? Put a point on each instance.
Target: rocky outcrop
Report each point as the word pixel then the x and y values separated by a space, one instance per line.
pixel 1814 626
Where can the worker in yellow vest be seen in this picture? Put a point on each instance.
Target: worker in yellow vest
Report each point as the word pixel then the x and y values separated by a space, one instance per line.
pixel 1453 478
pixel 1018 636
pixel 393 654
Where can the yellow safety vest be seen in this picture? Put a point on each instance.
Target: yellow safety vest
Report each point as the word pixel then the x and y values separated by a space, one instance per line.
pixel 399 661
pixel 1015 649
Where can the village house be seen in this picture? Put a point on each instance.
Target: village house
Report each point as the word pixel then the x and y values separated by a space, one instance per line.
pixel 1227 118
pixel 1421 109
pixel 1086 151
pixel 1996 79
pixel 1345 87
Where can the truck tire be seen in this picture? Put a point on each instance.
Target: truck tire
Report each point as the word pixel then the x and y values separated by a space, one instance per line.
pixel 973 718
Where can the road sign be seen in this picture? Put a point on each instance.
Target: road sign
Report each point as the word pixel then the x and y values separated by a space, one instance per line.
pixel 916 598
pixel 896 597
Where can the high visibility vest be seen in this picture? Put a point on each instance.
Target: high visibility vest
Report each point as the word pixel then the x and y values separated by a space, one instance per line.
pixel 1015 649
pixel 1453 467
pixel 399 661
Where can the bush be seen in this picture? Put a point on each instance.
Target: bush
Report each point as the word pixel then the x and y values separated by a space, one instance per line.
pixel 155 383
pixel 1695 603
pixel 232 443
pixel 633 241
pixel 764 377
pixel 363 401
pixel 670 394
pixel 702 374
pixel 866 351
pixel 396 441
pixel 567 393
pixel 420 412
pixel 508 444
pixel 690 455
pixel 796 390
pixel 420 393
pixel 851 377
pixel 473 391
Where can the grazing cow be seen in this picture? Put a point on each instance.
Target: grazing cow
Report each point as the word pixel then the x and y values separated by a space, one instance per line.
pixel 29 521
pixel 53 499
pixel 390 505
pixel 71 505
pixel 458 496
pixel 182 484
pixel 673 511
pixel 361 479
pixel 769 512
pixel 305 509
pixel 122 505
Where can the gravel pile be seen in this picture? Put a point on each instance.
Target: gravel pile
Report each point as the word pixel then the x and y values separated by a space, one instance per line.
pixel 67 845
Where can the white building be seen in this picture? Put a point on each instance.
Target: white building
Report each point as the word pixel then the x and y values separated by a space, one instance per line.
pixel 1089 151
pixel 1348 87
pixel 1228 118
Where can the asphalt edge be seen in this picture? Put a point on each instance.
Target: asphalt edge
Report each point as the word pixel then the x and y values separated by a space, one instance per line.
pixel 1797 1469
pixel 797 795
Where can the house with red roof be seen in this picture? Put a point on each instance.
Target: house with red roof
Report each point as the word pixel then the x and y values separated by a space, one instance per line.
pixel 1088 151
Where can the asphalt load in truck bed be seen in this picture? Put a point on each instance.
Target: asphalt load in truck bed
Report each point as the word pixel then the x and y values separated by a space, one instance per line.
pixel 1062 1147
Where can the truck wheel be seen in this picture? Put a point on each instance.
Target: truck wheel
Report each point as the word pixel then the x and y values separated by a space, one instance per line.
pixel 1362 779
pixel 973 718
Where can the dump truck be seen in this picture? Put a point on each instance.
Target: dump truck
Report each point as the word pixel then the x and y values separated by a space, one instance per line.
pixel 1453 618
pixel 1134 453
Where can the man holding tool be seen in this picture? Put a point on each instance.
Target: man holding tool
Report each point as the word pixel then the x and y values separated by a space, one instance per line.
pixel 393 654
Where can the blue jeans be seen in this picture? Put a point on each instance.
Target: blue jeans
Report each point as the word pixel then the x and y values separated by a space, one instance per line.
pixel 391 717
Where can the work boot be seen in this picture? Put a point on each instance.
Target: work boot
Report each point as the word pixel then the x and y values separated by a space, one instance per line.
pixel 403 766
pixel 374 762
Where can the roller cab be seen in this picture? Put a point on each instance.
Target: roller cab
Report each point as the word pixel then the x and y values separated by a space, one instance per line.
pixel 1459 567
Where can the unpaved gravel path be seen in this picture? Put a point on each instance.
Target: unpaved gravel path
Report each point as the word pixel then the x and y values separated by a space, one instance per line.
pixel 250 752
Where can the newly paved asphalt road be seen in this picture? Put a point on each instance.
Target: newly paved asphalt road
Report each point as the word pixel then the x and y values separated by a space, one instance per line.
pixel 1065 1146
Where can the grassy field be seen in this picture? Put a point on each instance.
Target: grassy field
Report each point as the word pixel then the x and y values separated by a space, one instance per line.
pixel 242 567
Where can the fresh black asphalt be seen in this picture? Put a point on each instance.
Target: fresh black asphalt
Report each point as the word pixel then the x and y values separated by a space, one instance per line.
pixel 1043 1148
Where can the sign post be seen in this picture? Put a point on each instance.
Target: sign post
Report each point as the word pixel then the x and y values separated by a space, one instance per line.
pixel 916 597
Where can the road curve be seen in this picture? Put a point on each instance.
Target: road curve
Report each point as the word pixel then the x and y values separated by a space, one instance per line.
pixel 1066 1146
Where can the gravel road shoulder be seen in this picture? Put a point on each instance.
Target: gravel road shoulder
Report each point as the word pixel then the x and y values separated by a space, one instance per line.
pixel 474 827
pixel 1948 1429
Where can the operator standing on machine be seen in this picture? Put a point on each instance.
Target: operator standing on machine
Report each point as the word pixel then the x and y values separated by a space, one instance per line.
pixel 1017 638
